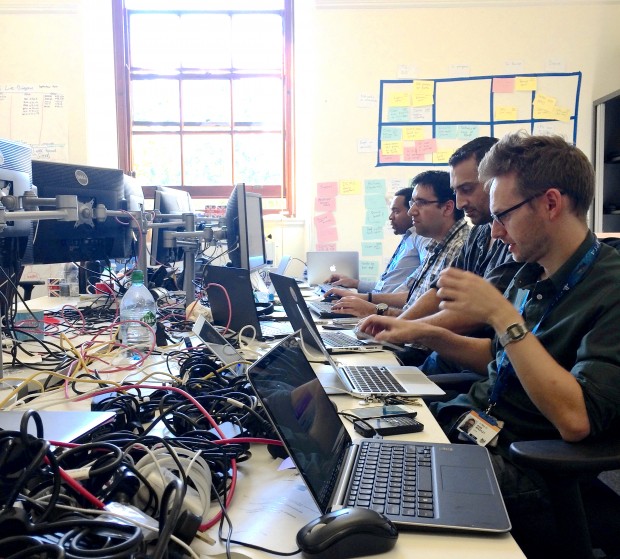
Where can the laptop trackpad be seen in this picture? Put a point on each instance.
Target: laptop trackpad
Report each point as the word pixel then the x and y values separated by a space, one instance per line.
pixel 466 480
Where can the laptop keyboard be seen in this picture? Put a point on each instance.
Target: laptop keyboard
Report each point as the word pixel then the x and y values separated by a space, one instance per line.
pixel 395 480
pixel 372 378
pixel 339 339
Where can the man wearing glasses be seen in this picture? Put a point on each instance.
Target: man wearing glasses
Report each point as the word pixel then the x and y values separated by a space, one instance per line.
pixel 553 366
pixel 435 216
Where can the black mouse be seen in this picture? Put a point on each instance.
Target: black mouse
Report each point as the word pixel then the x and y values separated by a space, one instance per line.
pixel 348 532
pixel 330 298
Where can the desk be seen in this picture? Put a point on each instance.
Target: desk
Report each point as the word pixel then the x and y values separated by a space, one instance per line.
pixel 270 505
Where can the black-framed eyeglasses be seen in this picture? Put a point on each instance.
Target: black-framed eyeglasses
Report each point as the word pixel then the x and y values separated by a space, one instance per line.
pixel 422 203
pixel 498 216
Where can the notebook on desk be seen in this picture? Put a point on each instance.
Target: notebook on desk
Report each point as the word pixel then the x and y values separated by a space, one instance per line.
pixel 296 308
pixel 322 264
pixel 234 302
pixel 61 426
pixel 429 485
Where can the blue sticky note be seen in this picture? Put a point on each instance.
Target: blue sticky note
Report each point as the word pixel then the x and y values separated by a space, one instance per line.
pixel 369 268
pixel 375 202
pixel 372 248
pixel 376 217
pixel 372 232
pixel 397 114
pixel 391 133
pixel 374 186
pixel 446 131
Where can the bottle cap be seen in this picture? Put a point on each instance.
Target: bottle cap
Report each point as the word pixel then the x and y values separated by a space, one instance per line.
pixel 137 276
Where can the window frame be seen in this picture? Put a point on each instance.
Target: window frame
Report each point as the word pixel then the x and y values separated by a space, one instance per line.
pixel 120 24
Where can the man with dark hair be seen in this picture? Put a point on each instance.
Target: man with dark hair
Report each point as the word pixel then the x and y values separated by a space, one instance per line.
pixel 435 216
pixel 553 366
pixel 406 258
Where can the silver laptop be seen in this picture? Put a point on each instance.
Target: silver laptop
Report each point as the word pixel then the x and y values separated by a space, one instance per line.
pixel 296 309
pixel 60 426
pixel 321 265
pixel 424 485
pixel 219 346
pixel 364 380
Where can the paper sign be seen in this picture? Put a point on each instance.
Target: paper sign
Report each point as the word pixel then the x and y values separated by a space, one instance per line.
pixel 505 113
pixel 366 145
pixel 365 100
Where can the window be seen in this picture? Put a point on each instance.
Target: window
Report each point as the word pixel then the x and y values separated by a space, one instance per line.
pixel 205 95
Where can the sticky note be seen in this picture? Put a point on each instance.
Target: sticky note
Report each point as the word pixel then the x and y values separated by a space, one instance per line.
pixel 389 158
pixel 411 133
pixel 327 235
pixel 325 204
pixel 503 85
pixel 399 99
pixel 326 247
pixel 562 114
pixel 349 187
pixel 374 186
pixel 398 114
pixel 392 148
pixel 523 83
pixel 446 131
pixel 505 113
pixel 410 154
pixel 468 131
pixel 391 133
pixel 326 189
pixel 442 156
pixel 426 146
pixel 372 232
pixel 375 202
pixel 376 216
pixel 369 268
pixel 325 220
pixel 372 248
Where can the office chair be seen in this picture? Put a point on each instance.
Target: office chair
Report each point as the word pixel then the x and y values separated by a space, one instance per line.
pixel 28 286
pixel 587 512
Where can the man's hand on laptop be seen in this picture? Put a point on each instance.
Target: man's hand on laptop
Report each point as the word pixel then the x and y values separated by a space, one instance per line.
pixel 353 304
pixel 343 281
pixel 337 293
pixel 395 330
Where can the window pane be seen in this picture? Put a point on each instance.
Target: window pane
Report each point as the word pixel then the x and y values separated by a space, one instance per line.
pixel 207 159
pixel 206 40
pixel 157 159
pixel 155 101
pixel 155 41
pixel 258 158
pixel 206 104
pixel 257 41
pixel 258 103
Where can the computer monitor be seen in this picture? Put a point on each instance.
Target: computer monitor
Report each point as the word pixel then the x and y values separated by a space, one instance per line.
pixel 57 241
pixel 245 231
pixel 173 202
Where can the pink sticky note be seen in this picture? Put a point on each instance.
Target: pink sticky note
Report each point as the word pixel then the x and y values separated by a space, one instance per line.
pixel 410 154
pixel 327 235
pixel 326 247
pixel 325 220
pixel 426 146
pixel 389 158
pixel 325 204
pixel 326 189
pixel 503 85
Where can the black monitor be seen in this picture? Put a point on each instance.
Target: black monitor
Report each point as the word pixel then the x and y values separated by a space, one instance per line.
pixel 245 233
pixel 58 241
pixel 173 202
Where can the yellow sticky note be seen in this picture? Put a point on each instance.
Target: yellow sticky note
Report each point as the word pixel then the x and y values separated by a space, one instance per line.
pixel 541 112
pixel 441 156
pixel 413 133
pixel 392 148
pixel 349 187
pixel 421 100
pixel 505 113
pixel 562 114
pixel 544 101
pixel 525 84
pixel 423 87
pixel 399 99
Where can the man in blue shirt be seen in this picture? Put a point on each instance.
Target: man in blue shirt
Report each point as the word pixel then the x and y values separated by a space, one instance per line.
pixel 406 258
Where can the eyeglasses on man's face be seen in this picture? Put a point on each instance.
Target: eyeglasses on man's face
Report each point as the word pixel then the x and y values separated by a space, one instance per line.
pixel 501 215
pixel 422 203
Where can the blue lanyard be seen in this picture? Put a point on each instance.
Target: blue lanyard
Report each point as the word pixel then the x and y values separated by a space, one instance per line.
pixel 505 370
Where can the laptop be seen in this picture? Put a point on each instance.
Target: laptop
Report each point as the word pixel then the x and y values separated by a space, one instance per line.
pixel 430 485
pixel 231 299
pixel 219 346
pixel 321 265
pixel 296 308
pixel 60 426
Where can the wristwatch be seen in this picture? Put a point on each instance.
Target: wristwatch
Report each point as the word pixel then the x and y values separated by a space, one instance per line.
pixel 381 308
pixel 513 333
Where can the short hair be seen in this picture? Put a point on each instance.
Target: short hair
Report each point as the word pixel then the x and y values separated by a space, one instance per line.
pixel 406 193
pixel 478 147
pixel 439 181
pixel 540 163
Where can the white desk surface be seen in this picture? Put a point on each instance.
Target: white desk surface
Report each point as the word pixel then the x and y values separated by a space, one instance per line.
pixel 270 505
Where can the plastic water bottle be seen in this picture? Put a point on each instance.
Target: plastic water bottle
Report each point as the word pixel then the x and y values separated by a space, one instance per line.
pixel 138 304
pixel 70 285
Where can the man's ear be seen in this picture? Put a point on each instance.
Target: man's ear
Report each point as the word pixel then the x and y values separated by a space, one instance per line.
pixel 449 207
pixel 555 202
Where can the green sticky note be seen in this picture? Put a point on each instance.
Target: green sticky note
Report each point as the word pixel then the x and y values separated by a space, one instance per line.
pixel 374 186
pixel 372 232
pixel 372 248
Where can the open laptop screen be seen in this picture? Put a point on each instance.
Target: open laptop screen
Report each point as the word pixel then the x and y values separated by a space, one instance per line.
pixel 310 427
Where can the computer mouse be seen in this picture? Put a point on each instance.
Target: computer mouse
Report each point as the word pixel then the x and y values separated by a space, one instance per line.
pixel 330 298
pixel 348 532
